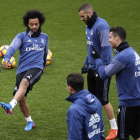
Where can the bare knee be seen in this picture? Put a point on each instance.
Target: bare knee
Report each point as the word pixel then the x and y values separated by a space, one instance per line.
pixel 24 83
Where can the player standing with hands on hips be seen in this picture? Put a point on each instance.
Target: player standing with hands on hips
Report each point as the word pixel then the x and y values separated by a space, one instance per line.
pixel 97 34
pixel 33 49
pixel 126 67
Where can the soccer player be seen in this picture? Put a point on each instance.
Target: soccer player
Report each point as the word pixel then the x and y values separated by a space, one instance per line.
pixel 126 67
pixel 84 116
pixel 97 34
pixel 33 49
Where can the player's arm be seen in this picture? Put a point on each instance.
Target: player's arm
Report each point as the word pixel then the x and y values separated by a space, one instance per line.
pixel 114 67
pixel 45 56
pixel 14 46
pixel 105 45
pixel 75 124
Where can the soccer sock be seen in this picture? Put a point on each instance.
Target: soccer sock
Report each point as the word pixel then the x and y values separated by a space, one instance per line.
pixel 13 103
pixel 29 119
pixel 113 124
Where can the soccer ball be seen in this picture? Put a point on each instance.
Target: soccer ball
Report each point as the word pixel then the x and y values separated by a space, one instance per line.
pixel 12 63
pixel 49 57
pixel 49 52
pixel 3 50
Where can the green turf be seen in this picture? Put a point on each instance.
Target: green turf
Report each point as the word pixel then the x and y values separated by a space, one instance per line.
pixel 68 45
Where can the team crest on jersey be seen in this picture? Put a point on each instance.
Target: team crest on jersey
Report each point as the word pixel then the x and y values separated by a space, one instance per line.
pixel 42 40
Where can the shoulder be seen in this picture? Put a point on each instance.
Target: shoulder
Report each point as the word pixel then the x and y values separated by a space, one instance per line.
pixel 126 55
pixel 21 35
pixel 44 35
pixel 101 24
pixel 126 52
pixel 74 108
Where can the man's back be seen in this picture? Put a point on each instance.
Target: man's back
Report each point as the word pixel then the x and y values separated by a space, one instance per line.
pixel 84 117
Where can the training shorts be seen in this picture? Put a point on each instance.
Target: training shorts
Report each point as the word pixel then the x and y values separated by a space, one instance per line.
pixel 33 75
pixel 128 122
pixel 98 87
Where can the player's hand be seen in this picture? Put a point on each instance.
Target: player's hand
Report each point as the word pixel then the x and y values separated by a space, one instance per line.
pixel 84 69
pixel 95 54
pixel 6 63
pixel 96 74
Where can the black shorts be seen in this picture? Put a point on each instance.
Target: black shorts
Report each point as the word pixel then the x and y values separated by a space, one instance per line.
pixel 128 122
pixel 98 87
pixel 33 75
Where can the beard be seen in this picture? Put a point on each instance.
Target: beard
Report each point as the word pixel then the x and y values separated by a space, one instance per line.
pixel 88 19
pixel 33 34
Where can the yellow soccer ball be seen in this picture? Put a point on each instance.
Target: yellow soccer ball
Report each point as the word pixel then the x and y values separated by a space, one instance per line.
pixel 49 59
pixel 3 50
pixel 49 52
pixel 12 63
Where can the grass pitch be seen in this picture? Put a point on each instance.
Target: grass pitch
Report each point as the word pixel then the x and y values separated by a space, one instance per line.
pixel 67 42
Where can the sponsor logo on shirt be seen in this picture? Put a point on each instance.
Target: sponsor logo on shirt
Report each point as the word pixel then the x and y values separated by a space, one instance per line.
pixel 137 62
pixel 94 132
pixel 137 59
pixel 95 118
pixel 90 42
pixel 35 47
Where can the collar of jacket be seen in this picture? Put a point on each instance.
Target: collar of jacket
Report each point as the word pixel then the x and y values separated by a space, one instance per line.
pixel 79 94
pixel 92 20
pixel 123 45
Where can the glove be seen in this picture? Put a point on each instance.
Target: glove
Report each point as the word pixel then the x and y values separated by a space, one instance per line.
pixel 95 54
pixel 84 69
pixel 0 67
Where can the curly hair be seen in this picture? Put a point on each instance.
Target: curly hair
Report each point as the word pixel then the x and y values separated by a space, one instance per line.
pixel 32 14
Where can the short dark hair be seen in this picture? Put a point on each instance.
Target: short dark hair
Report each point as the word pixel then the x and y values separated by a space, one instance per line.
pixel 32 14
pixel 86 7
pixel 76 81
pixel 120 31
